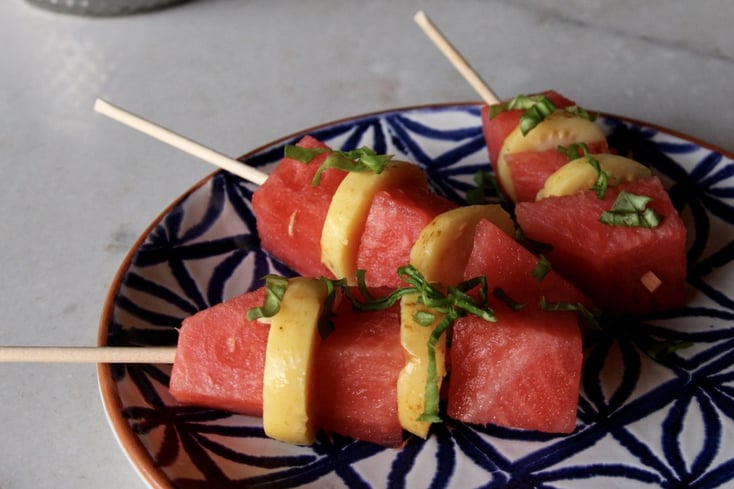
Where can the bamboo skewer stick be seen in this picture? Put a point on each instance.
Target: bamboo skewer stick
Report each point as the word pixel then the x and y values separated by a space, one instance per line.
pixel 91 354
pixel 252 174
pixel 177 141
pixel 453 55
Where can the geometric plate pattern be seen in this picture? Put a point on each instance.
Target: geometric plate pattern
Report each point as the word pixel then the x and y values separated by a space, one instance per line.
pixel 640 423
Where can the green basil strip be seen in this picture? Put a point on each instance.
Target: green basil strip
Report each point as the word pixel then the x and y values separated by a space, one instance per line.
pixel 541 269
pixel 325 324
pixel 536 108
pixel 535 115
pixel 362 284
pixel 588 318
pixel 573 151
pixel 432 392
pixel 631 210
pixel 486 190
pixel 581 112
pixel 602 177
pixel 357 160
pixel 304 155
pixel 660 349
pixel 505 297
pixel 274 291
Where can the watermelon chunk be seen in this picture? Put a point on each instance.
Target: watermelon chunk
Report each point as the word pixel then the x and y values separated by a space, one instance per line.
pixel 291 212
pixel 395 220
pixel 220 357
pixel 358 368
pixel 524 370
pixel 607 262
pixel 499 127
pixel 508 265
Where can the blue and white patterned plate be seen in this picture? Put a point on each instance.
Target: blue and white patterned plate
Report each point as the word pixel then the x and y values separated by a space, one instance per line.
pixel 640 423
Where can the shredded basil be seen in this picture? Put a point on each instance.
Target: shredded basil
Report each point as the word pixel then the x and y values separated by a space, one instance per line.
pixel 581 112
pixel 631 210
pixel 275 286
pixel 357 160
pixel 573 151
pixel 451 305
pixel 455 299
pixel 535 109
pixel 432 393
pixel 594 321
pixel 659 349
pixel 518 234
pixel 541 269
pixel 535 115
pixel 588 318
pixel 602 177
pixel 505 297
pixel 602 180
pixel 485 187
pixel 326 325
pixel 487 190
pixel 304 155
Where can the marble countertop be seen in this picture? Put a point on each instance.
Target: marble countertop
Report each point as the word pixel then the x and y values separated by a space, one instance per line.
pixel 78 189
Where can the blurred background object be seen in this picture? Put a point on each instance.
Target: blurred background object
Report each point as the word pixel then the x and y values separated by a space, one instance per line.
pixel 104 8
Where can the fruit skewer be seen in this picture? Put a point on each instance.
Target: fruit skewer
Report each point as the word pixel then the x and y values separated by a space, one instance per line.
pixel 167 355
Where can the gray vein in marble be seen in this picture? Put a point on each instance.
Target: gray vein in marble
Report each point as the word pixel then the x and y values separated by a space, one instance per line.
pixel 563 12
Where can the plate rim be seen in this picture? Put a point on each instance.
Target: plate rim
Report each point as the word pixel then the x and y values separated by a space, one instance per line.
pixel 131 445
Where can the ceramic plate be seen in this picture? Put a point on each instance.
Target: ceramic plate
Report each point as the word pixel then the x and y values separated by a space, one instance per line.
pixel 640 423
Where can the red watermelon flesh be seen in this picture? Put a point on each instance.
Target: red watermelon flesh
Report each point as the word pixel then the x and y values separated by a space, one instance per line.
pixel 530 169
pixel 521 372
pixel 220 360
pixel 291 212
pixel 395 220
pixel 524 370
pixel 499 127
pixel 220 357
pixel 508 265
pixel 608 262
pixel 358 367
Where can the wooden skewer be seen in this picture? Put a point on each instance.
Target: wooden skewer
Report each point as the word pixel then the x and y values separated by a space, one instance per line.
pixel 102 354
pixel 177 141
pixel 256 176
pixel 461 64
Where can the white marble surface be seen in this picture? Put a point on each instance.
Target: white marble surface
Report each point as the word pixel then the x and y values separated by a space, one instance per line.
pixel 77 189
